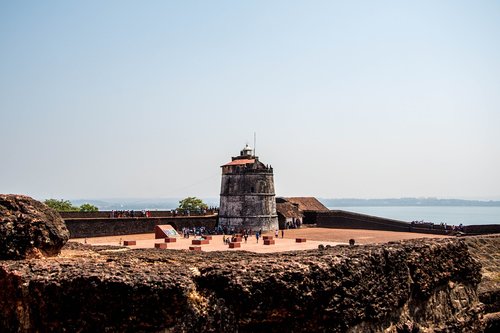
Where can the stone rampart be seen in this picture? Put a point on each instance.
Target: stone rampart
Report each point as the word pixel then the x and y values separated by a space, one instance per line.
pixel 95 227
pixel 348 220
pixel 341 219
pixel 482 229
pixel 415 286
pixel 137 213
pixel 85 215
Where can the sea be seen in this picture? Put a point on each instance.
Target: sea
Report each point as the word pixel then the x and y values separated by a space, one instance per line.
pixel 451 215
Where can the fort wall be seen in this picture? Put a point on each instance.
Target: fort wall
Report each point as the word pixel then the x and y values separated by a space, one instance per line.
pixel 348 220
pixel 96 227
pixel 341 219
pixel 95 224
pixel 137 213
pixel 482 229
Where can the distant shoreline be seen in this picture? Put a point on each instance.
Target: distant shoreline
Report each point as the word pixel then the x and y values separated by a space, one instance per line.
pixel 172 203
pixel 408 202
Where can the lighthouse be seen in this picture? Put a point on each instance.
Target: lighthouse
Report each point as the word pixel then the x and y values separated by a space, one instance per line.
pixel 247 198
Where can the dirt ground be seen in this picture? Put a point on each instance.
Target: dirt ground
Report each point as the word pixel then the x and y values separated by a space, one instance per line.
pixel 314 237
pixel 360 236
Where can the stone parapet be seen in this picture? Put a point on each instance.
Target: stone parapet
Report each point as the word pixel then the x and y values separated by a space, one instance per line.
pixel 414 286
pixel 81 228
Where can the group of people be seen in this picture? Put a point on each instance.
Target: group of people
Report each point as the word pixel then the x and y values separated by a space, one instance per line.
pixel 196 231
pixel 258 234
pixel 246 233
pixel 129 213
pixel 233 238
pixel 172 212
pixel 194 212
pixel 433 226
pixel 295 224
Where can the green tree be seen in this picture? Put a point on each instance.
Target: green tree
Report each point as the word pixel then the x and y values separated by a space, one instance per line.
pixel 61 205
pixel 192 204
pixel 86 207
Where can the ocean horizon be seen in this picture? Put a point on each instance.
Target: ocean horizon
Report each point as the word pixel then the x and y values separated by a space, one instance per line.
pixel 452 215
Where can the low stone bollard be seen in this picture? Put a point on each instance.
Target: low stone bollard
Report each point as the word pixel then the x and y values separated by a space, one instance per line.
pixel 161 245
pixel 234 245
pixel 351 242
pixel 195 248
pixel 267 237
pixel 129 242
pixel 300 240
pixel 200 241
pixel 170 240
pixel 269 241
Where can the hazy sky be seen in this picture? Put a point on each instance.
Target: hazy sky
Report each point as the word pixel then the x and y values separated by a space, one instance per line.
pixel 144 99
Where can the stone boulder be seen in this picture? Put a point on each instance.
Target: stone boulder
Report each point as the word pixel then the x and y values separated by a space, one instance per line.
pixel 29 228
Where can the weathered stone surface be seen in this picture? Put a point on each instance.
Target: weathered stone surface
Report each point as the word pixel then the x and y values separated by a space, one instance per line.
pixel 486 249
pixel 416 286
pixel 29 228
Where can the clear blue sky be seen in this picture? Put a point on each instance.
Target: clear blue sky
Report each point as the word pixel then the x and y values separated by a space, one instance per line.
pixel 144 99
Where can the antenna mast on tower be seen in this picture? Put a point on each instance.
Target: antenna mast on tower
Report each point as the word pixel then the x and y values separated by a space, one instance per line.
pixel 254 144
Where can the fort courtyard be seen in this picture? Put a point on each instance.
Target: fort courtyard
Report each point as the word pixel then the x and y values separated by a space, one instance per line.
pixel 314 237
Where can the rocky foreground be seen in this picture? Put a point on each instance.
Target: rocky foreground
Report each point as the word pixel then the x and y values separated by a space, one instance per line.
pixel 411 286
pixel 29 228
pixel 486 250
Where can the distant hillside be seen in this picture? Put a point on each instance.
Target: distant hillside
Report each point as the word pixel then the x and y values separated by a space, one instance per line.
pixel 407 202
pixel 139 204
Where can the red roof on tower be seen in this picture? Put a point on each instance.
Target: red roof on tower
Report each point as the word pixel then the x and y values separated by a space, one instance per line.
pixel 240 162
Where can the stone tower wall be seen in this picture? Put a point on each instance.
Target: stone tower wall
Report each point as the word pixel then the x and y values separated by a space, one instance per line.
pixel 247 201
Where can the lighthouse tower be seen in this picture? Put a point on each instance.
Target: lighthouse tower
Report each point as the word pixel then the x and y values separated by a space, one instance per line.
pixel 247 199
